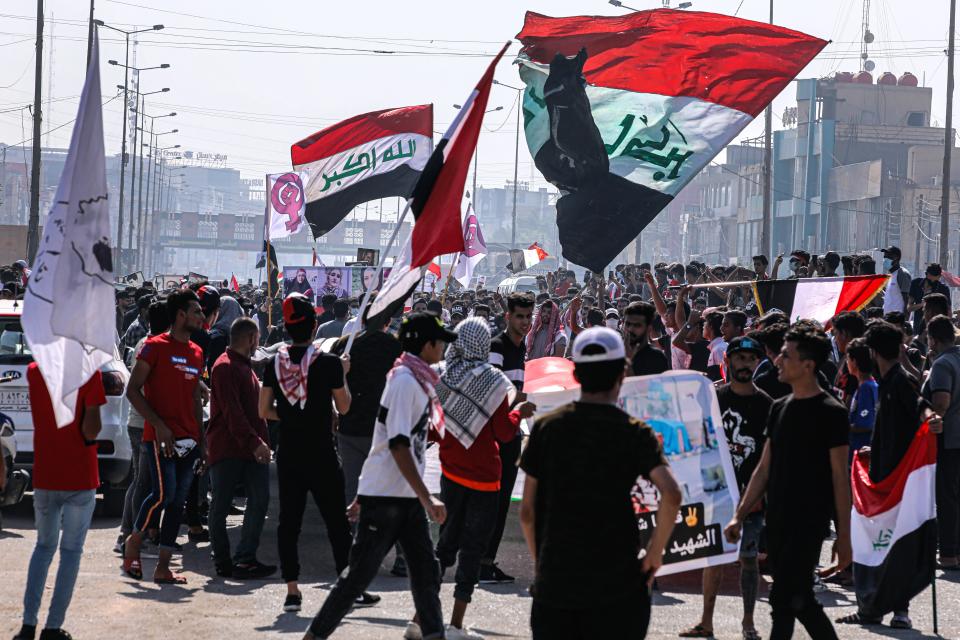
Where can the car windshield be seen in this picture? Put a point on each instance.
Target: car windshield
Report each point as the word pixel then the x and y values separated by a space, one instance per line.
pixel 13 343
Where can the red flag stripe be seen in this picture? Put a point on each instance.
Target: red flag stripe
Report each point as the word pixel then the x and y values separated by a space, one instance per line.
pixel 873 498
pixel 858 291
pixel 363 128
pixel 717 58
pixel 540 251
pixel 438 227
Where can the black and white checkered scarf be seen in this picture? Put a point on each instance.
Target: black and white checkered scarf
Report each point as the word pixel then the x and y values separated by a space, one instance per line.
pixel 471 389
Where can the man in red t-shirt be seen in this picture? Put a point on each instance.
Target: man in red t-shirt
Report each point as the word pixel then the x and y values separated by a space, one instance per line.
pixel 164 389
pixel 65 481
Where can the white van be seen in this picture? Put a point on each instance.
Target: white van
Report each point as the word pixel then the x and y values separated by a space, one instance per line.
pixel 518 283
pixel 113 443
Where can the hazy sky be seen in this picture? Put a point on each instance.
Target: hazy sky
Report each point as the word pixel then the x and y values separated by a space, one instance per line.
pixel 248 78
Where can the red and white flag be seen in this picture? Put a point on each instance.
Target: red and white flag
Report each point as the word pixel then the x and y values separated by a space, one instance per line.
pixel 621 112
pixel 436 200
pixel 893 528
pixel 521 259
pixel 817 298
pixel 234 285
pixel 373 155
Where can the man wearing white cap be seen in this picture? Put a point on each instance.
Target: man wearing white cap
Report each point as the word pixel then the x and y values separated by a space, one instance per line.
pixel 582 462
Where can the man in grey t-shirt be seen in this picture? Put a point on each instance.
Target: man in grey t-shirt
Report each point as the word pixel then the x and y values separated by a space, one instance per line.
pixel 942 390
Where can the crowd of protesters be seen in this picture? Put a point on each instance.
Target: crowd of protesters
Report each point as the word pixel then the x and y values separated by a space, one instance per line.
pixel 225 382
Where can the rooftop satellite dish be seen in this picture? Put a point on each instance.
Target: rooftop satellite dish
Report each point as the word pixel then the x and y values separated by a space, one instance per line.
pixel 869 65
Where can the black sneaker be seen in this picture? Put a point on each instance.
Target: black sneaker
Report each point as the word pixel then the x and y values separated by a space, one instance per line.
pixel 202 536
pixel 491 574
pixel 253 570
pixel 293 602
pixel 399 567
pixel 366 600
pixel 27 632
pixel 225 571
pixel 55 634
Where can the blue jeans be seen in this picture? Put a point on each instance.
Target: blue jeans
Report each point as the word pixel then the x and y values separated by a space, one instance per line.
pixel 224 477
pixel 69 511
pixel 170 480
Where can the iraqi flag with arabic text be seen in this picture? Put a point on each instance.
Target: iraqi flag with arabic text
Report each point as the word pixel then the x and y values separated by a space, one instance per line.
pixel 436 202
pixel 817 298
pixel 373 155
pixel 893 528
pixel 621 112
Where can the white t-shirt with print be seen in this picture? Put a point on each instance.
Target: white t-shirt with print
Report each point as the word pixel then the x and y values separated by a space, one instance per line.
pixel 407 416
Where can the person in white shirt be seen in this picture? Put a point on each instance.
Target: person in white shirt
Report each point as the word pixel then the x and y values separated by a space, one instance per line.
pixel 393 502
pixel 898 288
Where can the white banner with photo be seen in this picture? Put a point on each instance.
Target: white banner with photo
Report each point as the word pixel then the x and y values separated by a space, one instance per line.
pixel 681 406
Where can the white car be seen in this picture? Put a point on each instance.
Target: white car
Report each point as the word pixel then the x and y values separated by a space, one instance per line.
pixel 113 443
pixel 518 283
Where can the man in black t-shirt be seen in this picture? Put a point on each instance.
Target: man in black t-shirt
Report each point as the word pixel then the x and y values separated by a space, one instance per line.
pixel 744 409
pixel 577 516
pixel 803 471
pixel 300 395
pixel 645 359
pixel 508 352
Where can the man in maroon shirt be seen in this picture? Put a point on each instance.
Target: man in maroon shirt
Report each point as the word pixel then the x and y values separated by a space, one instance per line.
pixel 65 480
pixel 238 452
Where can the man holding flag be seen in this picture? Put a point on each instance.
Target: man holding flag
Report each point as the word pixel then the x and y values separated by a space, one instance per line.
pixel 68 321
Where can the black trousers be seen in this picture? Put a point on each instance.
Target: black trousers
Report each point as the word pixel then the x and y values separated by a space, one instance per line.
pixel 299 473
pixel 470 519
pixel 509 454
pixel 383 523
pixel 627 619
pixel 794 555
pixel 948 500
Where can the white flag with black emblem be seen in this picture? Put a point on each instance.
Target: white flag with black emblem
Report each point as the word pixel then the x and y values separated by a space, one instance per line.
pixel 68 309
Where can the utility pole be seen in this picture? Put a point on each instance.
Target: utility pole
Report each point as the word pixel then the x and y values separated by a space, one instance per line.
pixel 947 146
pixel 139 149
pixel 33 224
pixel 516 165
pixel 766 230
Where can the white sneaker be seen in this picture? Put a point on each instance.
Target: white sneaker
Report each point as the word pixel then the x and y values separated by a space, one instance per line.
pixel 453 633
pixel 413 632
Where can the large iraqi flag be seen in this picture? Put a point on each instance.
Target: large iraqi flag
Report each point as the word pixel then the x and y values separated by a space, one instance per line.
pixel 436 201
pixel 817 298
pixel 621 112
pixel 893 528
pixel 373 155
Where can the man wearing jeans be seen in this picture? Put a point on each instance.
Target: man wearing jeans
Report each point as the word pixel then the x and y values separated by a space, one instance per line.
pixel 238 452
pixel 65 479
pixel 164 388
pixel 393 500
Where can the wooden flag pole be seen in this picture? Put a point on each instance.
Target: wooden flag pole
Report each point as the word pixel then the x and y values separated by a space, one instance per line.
pixel 446 286
pixel 383 260
pixel 269 278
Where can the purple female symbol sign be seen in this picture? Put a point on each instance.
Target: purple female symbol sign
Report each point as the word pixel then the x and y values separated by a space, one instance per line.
pixel 473 243
pixel 287 199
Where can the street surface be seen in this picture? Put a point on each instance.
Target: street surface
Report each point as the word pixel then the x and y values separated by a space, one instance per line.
pixel 109 605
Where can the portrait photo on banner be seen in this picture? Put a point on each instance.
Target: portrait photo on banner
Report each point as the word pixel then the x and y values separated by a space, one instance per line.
pixel 316 282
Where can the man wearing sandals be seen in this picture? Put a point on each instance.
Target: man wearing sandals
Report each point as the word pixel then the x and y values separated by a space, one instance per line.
pixel 168 372
pixel 745 410
pixel 65 480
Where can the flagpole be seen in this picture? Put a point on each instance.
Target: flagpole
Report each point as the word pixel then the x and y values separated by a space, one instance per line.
pixel 446 286
pixel 266 258
pixel 933 585
pixel 383 260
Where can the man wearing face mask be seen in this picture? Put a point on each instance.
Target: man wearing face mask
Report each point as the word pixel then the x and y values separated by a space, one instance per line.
pixel 799 263
pixel 921 287
pixel 898 288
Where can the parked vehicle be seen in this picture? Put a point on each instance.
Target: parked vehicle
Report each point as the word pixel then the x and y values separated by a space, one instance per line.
pixel 113 444
pixel 17 479
pixel 518 283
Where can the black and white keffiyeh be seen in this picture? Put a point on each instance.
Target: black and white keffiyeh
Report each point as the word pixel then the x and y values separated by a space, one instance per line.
pixel 471 389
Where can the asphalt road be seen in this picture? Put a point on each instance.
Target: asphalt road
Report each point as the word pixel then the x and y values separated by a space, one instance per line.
pixel 109 605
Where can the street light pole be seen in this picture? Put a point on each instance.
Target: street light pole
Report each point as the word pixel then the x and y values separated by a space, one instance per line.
pixel 516 161
pixel 947 146
pixel 766 226
pixel 33 224
pixel 123 140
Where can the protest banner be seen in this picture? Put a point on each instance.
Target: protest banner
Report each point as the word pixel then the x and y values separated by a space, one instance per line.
pixel 343 282
pixel 681 406
pixel 169 281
